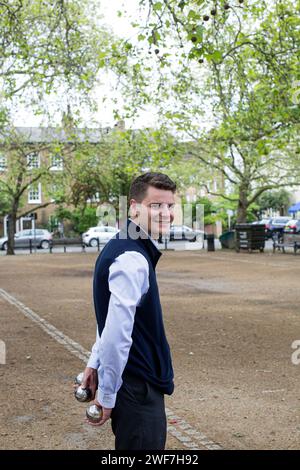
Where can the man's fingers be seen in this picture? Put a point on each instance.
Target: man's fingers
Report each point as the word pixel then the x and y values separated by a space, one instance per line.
pixel 105 415
pixel 90 422
pixel 103 420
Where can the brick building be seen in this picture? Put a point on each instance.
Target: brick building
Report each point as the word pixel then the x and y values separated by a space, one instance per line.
pixel 39 138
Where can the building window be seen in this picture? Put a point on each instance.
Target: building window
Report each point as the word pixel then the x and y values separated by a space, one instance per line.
pixel 54 192
pixel 3 163
pixel 94 198
pixel 56 163
pixel 33 160
pixel 35 194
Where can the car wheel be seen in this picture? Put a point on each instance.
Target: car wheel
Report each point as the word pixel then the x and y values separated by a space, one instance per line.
pixel 93 242
pixel 44 244
pixel 4 246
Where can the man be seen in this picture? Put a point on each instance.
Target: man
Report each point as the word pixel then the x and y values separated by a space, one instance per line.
pixel 131 358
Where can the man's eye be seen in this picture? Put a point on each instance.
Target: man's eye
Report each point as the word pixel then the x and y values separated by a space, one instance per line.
pixel 160 205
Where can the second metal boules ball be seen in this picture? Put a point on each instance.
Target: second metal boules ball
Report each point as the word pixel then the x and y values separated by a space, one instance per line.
pixel 82 394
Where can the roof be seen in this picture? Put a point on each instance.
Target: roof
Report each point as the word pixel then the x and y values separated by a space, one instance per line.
pixel 50 134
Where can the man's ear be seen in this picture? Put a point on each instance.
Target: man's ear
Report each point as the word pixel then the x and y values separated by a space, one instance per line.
pixel 134 212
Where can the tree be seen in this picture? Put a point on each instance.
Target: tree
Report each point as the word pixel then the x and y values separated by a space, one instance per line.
pixel 81 220
pixel 52 48
pixel 25 169
pixel 104 171
pixel 276 200
pixel 238 63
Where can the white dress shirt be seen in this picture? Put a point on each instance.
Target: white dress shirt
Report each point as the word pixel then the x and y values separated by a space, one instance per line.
pixel 128 282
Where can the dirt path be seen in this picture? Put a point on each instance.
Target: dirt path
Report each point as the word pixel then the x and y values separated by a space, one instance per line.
pixel 230 320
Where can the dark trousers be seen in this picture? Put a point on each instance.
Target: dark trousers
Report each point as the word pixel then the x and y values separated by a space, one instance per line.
pixel 139 419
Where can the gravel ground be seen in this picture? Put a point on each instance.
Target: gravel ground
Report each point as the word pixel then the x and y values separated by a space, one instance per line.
pixel 230 319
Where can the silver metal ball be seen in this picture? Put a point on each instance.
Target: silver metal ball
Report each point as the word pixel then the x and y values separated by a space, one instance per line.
pixel 83 394
pixel 94 413
pixel 78 380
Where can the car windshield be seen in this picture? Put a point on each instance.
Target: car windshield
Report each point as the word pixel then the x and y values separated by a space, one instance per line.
pixel 23 233
pixel 281 221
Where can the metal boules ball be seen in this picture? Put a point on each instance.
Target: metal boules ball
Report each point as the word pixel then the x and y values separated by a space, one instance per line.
pixel 94 414
pixel 82 394
pixel 78 380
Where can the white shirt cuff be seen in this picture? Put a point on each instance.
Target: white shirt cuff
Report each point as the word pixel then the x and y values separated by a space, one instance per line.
pixel 108 401
pixel 93 362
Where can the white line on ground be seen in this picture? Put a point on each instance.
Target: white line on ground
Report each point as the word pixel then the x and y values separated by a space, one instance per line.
pixel 180 429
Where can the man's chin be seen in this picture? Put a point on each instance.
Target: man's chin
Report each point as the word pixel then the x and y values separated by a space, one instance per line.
pixel 160 231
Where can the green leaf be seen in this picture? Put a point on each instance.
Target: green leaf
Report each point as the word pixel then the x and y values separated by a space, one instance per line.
pixel 157 6
pixel 217 55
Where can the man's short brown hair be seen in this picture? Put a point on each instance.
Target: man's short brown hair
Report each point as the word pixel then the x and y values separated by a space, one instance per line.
pixel 139 186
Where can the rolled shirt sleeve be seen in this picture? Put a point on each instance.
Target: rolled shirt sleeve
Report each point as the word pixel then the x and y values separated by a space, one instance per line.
pixel 128 282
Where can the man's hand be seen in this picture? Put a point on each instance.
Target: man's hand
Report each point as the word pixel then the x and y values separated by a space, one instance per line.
pixel 106 413
pixel 90 380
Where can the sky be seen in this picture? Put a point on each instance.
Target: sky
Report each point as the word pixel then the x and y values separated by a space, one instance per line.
pixel 148 117
pixel 121 27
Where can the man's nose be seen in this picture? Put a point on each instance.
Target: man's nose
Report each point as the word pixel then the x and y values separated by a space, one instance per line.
pixel 166 211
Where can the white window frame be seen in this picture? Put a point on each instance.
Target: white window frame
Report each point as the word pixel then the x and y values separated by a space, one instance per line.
pixel 94 198
pixel 35 201
pixel 3 163
pixel 59 166
pixel 30 166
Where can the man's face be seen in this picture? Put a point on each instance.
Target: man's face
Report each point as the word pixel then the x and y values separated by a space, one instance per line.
pixel 155 212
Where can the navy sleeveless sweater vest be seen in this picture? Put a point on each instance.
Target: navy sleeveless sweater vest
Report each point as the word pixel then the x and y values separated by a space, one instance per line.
pixel 149 357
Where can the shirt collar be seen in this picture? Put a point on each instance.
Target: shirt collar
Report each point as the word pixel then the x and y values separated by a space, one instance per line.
pixel 148 243
pixel 155 242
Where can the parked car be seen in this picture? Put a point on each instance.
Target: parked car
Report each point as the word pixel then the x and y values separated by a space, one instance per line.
pixel 101 232
pixel 40 238
pixel 266 223
pixel 183 232
pixel 293 226
pixel 274 226
pixel 277 226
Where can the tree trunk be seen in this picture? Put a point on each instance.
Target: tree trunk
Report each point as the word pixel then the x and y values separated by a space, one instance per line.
pixel 242 207
pixel 11 233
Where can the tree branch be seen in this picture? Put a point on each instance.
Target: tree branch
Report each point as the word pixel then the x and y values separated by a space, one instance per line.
pixel 34 209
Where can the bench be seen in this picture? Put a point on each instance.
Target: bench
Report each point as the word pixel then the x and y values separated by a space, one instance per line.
pixel 289 240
